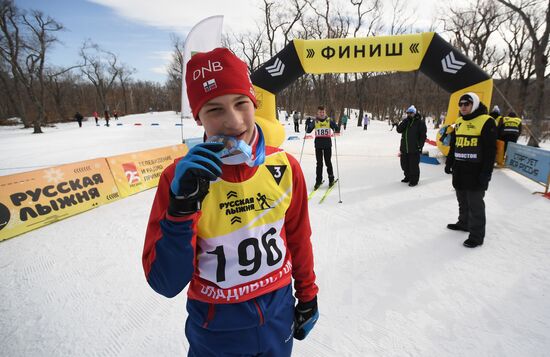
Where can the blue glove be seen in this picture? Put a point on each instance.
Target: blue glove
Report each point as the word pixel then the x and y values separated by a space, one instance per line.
pixel 192 178
pixel 306 315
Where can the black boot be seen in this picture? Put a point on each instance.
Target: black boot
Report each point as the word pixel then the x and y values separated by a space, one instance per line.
pixel 457 227
pixel 406 179
pixel 317 185
pixel 472 243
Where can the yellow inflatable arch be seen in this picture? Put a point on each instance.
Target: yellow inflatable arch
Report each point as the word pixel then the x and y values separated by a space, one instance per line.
pixel 427 52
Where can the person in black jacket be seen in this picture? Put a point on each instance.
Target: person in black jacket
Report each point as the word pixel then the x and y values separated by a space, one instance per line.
pixel 413 135
pixel 106 117
pixel 470 160
pixel 509 129
pixel 78 117
pixel 324 131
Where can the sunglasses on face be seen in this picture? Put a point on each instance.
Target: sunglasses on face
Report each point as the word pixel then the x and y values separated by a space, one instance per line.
pixel 464 104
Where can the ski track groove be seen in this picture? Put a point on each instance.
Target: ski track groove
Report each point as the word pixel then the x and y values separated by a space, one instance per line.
pixel 148 341
pixel 70 292
pixel 135 317
pixel 314 348
pixel 33 272
pixel 145 342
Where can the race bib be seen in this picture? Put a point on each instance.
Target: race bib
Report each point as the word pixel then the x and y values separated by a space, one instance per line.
pixel 323 132
pixel 230 260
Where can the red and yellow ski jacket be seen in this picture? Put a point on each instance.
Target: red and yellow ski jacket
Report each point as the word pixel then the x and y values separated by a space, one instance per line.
pixel 251 236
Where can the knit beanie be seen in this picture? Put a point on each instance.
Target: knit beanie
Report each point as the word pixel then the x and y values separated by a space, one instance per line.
pixel 215 73
pixel 496 109
pixel 411 109
pixel 472 98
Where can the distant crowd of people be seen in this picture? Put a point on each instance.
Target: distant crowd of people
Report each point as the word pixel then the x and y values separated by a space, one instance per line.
pixel 106 115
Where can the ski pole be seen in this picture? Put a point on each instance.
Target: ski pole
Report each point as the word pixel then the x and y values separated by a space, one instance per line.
pixel 181 126
pixel 337 170
pixel 302 151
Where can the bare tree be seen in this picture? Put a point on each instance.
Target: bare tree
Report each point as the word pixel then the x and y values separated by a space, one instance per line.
pixel 520 58
pixel 333 22
pixel 327 23
pixel 536 16
pixel 251 46
pixel 125 76
pixel 175 67
pixel 272 23
pixel 10 48
pixel 101 68
pixel 27 40
pixel 401 18
pixel 60 81
pixel 472 28
pixel 10 97
pixel 367 23
pixel 292 16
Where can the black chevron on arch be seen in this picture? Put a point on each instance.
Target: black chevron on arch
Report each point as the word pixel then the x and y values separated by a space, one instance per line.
pixel 293 70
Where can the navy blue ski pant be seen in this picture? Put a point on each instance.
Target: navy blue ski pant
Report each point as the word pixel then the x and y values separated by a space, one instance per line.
pixel 271 339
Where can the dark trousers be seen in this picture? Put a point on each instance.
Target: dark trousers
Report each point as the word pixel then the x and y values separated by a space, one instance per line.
pixel 410 163
pixel 296 127
pixel 319 155
pixel 80 123
pixel 471 213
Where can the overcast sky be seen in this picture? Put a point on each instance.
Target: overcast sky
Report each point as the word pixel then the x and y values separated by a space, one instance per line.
pixel 139 30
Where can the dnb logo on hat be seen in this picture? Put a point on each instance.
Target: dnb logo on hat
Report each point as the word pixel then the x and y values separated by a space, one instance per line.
pixel 4 216
pixel 209 85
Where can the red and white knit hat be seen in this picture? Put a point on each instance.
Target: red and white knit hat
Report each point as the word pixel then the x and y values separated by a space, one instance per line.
pixel 215 73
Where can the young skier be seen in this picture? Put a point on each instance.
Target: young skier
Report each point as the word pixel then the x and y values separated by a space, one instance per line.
pixel 324 130
pixel 231 220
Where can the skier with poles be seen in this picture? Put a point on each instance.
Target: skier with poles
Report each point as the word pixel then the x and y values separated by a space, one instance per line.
pixel 324 130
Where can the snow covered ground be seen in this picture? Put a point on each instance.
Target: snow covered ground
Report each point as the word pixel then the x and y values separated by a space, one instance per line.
pixel 393 280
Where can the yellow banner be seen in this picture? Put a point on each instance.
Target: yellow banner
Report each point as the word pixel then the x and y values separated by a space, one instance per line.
pixel 139 171
pixel 370 54
pixel 37 198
